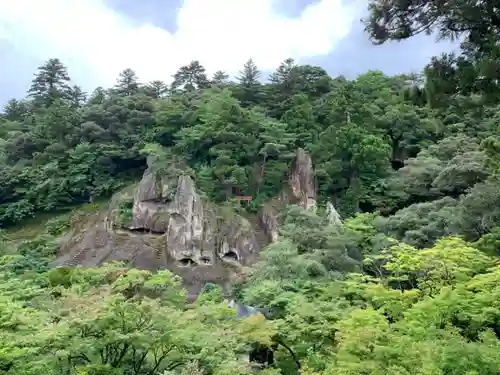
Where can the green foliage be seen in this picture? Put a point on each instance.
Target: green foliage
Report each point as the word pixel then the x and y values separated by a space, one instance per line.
pixel 60 276
pixel 408 284
pixel 57 226
pixel 123 216
pixel 490 242
pixel 234 138
pixel 211 294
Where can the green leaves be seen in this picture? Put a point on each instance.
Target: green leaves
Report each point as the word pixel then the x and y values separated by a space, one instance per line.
pixel 118 329
pixel 448 262
pixel 407 161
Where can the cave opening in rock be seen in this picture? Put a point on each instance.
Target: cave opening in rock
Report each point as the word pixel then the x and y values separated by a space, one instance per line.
pixel 230 256
pixel 206 260
pixel 185 262
pixel 146 231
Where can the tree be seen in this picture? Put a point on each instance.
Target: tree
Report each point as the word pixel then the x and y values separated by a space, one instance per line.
pixel 477 24
pixel 249 90
pixel 156 89
pixel 355 153
pixel 114 329
pixel 51 82
pixel 77 96
pixel 312 80
pixel 449 262
pixel 282 77
pixel 283 82
pixel 421 224
pixel 302 120
pixel 220 78
pixel 98 96
pixel 16 110
pixel 127 83
pixel 395 21
pixel 190 77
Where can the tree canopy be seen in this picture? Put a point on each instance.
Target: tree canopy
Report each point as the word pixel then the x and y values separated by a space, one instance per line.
pixel 408 285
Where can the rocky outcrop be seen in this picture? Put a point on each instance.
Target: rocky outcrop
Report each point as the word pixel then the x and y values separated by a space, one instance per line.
pixel 332 214
pixel 301 182
pixel 164 223
pixel 150 202
pixel 301 191
pixel 269 219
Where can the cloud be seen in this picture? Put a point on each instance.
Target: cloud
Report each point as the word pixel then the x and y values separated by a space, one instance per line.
pixel 222 34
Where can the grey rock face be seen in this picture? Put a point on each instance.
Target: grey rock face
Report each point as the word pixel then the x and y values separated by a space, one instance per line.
pixel 165 223
pixel 269 219
pixel 301 190
pixel 151 198
pixel 302 181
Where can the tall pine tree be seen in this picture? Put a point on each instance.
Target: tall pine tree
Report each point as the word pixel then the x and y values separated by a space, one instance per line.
pixel 77 96
pixel 220 79
pixel 156 89
pixel 191 77
pixel 127 83
pixel 51 82
pixel 98 96
pixel 250 89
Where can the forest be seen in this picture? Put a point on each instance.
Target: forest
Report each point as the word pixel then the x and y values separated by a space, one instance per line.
pixel 408 285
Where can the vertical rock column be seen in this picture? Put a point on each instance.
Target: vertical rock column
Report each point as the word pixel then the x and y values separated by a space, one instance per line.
pixel 302 180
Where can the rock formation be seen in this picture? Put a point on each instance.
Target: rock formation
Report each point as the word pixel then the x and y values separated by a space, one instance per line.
pixel 302 183
pixel 164 223
pixel 301 190
pixel 332 214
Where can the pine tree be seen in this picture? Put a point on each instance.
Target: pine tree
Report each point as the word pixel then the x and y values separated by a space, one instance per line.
pixel 284 72
pixel 250 87
pixel 77 96
pixel 156 89
pixel 127 83
pixel 98 96
pixel 250 75
pixel 51 82
pixel 283 82
pixel 191 77
pixel 16 110
pixel 220 78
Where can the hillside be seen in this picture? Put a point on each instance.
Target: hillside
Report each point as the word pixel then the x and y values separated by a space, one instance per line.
pixel 371 241
pixel 163 222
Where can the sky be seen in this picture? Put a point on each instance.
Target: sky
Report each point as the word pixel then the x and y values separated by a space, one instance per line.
pixel 97 39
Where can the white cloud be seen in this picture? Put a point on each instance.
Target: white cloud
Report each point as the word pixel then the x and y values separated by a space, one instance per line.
pixel 222 34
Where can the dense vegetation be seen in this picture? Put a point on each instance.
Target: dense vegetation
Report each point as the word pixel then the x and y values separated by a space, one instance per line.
pixel 410 284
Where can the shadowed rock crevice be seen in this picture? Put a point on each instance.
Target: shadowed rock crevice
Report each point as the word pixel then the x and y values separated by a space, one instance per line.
pixel 186 262
pixel 231 256
pixel 144 231
pixel 206 261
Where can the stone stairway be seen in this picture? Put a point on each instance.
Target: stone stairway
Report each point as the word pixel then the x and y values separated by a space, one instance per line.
pixel 160 257
pixel 77 259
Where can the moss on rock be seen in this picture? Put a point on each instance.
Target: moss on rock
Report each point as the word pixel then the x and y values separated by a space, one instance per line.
pixel 121 207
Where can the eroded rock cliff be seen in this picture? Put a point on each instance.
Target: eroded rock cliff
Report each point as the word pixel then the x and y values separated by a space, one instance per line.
pixel 302 183
pixel 164 223
pixel 301 191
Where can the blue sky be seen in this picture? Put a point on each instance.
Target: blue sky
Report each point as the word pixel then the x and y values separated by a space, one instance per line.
pixel 97 39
